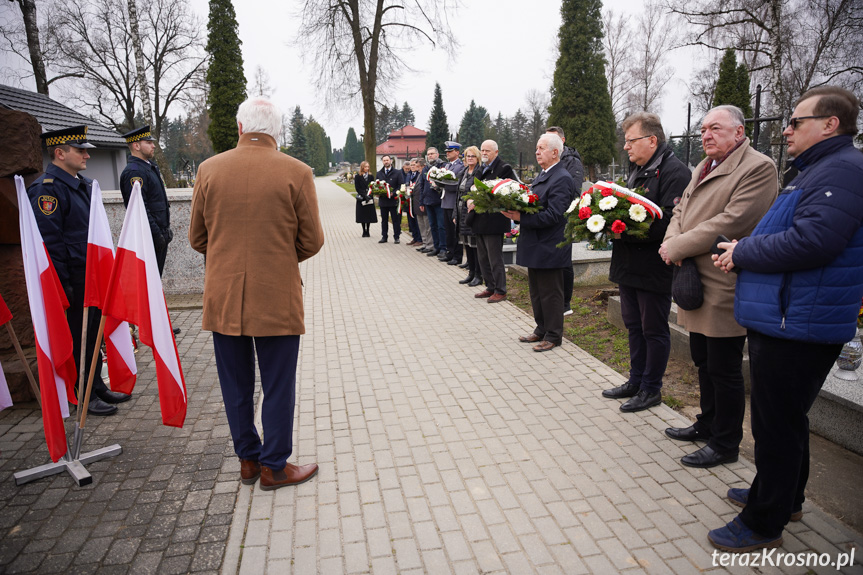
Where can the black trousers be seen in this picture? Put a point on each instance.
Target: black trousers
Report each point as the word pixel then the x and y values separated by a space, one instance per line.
pixel 645 315
pixel 723 397
pixel 546 298
pixel 491 266
pixel 75 319
pixel 786 378
pixel 472 263
pixel 161 255
pixel 397 221
pixel 277 359
pixel 568 281
pixel 453 248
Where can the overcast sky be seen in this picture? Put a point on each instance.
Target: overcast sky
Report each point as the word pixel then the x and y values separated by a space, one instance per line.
pixel 511 40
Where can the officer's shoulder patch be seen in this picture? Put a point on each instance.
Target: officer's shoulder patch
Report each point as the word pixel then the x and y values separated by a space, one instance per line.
pixel 137 179
pixel 47 204
pixel 48 181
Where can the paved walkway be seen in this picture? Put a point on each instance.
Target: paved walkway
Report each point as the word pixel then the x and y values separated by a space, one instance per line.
pixel 445 446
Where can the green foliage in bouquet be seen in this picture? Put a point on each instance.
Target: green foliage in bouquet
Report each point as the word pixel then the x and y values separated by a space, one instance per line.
pixel 600 215
pixel 497 196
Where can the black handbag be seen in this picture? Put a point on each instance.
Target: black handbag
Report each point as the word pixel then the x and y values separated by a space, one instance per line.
pixel 686 288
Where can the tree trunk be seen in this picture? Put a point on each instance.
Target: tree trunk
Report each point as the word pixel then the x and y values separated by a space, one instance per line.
pixel 28 10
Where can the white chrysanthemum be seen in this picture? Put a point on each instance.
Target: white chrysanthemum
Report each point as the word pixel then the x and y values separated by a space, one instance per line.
pixel 572 207
pixel 473 188
pixel 606 204
pixel 523 198
pixel 637 213
pixel 585 201
pixel 595 223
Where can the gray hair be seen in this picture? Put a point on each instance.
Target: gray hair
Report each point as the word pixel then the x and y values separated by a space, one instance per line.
pixel 260 115
pixel 735 113
pixel 491 144
pixel 432 148
pixel 553 142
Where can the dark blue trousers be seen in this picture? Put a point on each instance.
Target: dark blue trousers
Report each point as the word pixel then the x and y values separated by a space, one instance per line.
pixel 645 315
pixel 438 231
pixel 277 358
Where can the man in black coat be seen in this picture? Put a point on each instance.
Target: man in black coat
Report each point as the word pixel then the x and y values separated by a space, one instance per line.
pixel 61 204
pixel 430 204
pixel 390 206
pixel 537 244
pixel 570 160
pixel 644 279
pixel 489 228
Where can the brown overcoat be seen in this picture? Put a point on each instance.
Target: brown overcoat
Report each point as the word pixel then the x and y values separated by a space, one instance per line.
pixel 254 217
pixel 730 201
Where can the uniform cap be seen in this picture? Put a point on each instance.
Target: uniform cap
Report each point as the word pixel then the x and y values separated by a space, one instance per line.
pixel 75 136
pixel 452 146
pixel 138 134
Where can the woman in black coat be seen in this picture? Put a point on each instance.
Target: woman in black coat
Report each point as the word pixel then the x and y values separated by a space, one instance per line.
pixel 366 214
pixel 465 234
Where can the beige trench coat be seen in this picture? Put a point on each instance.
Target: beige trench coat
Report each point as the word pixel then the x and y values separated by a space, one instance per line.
pixel 730 201
pixel 254 217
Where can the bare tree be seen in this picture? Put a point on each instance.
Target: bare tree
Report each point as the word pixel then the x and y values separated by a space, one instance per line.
pixel 537 113
pixel 261 83
pixel 617 43
pixel 703 84
pixel 139 62
pixel 649 73
pixel 359 46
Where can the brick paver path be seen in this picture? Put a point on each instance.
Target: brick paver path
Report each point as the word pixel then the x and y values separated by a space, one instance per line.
pixel 445 446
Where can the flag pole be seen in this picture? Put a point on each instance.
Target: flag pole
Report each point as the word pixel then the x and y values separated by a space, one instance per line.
pixel 23 359
pixel 76 439
pixel 99 335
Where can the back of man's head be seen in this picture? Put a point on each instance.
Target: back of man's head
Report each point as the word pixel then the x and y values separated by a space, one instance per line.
pixel 260 115
pixel 835 101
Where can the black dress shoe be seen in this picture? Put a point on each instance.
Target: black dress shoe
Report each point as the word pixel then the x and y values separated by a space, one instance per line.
pixel 466 280
pixel 475 282
pixel 706 457
pixel 109 396
pixel 464 266
pixel 686 434
pixel 176 331
pixel 626 390
pixel 382 241
pixel 396 241
pixel 452 262
pixel 99 407
pixel 433 253
pixel 642 400
pixel 426 250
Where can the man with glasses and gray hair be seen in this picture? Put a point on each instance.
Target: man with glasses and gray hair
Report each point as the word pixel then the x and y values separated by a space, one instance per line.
pixel 730 190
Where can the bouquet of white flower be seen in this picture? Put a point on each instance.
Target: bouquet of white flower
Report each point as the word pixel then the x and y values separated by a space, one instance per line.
pixel 442 176
pixel 502 195
pixel 380 188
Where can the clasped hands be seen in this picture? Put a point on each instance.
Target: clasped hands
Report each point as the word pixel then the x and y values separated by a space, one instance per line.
pixel 722 261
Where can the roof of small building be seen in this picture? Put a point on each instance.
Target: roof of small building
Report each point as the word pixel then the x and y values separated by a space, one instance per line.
pixel 404 142
pixel 407 132
pixel 53 115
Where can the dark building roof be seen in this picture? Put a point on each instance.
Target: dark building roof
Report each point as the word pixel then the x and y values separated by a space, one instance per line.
pixel 52 115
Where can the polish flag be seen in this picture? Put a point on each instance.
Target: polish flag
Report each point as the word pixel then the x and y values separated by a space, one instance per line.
pixel 122 368
pixel 135 295
pixel 5 396
pixel 48 303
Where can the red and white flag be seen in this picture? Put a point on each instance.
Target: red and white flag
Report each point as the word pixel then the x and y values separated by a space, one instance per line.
pixel 135 295
pixel 5 396
pixel 48 303
pixel 122 368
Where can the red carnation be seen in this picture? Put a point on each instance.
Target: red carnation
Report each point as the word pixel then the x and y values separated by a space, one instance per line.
pixel 532 198
pixel 606 192
pixel 584 213
pixel 618 227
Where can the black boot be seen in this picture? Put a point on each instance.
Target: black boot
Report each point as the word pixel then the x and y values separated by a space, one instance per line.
pixel 467 280
pixel 475 281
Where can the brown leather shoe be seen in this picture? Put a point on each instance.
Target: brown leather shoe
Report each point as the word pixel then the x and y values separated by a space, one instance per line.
pixel 249 471
pixel 484 293
pixel 529 338
pixel 497 297
pixel 290 475
pixel 545 346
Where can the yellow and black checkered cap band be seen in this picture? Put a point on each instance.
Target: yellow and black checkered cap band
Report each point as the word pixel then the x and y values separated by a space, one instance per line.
pixel 74 135
pixel 138 134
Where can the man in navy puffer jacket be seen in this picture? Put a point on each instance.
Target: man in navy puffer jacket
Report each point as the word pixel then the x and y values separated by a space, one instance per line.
pixel 799 307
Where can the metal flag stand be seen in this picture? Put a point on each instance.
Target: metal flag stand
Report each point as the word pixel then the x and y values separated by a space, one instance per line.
pixel 73 461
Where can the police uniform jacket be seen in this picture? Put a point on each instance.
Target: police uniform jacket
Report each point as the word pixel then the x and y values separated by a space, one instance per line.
pixel 255 217
pixel 61 203
pixel 493 224
pixel 154 195
pixel 448 201
pixel 395 180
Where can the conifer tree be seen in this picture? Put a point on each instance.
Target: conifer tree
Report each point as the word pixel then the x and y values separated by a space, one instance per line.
pixel 407 116
pixel 383 124
pixel 732 86
pixel 580 102
pixel 470 131
pixel 353 151
pixel 299 146
pixel 316 142
pixel 224 75
pixel 438 128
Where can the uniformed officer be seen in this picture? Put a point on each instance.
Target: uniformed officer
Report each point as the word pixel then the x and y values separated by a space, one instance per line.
pixel 140 168
pixel 61 203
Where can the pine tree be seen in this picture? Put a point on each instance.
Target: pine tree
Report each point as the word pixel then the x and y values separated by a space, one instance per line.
pixel 438 127
pixel 353 151
pixel 580 102
pixel 316 141
pixel 382 124
pixel 225 75
pixel 470 131
pixel 508 151
pixel 732 86
pixel 407 115
pixel 299 146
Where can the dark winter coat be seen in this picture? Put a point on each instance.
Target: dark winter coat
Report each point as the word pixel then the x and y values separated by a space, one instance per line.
pixel 365 214
pixel 493 224
pixel 636 263
pixel 571 160
pixel 395 179
pixel 450 195
pixel 541 232
pixel 428 195
pixel 465 181
pixel 154 195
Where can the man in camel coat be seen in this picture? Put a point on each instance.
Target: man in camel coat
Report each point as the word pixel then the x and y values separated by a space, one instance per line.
pixel 729 193
pixel 255 217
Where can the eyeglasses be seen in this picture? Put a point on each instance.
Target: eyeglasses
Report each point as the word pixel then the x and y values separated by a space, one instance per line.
pixel 793 122
pixel 629 142
pixel 469 156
